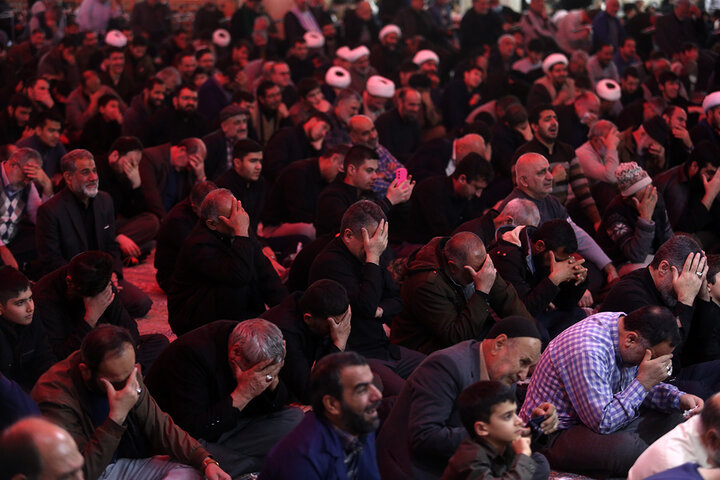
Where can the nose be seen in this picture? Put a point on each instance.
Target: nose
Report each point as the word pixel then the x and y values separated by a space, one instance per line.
pixel 375 394
pixel 30 306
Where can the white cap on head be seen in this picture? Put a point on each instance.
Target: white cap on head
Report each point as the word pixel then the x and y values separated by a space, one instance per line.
pixel 358 53
pixel 343 53
pixel 388 29
pixel 221 37
pixel 425 55
pixel 608 90
pixel 380 87
pixel 711 100
pixel 552 59
pixel 337 77
pixel 115 38
pixel 314 39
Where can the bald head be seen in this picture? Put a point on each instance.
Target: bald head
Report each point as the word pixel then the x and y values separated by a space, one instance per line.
pixel 470 143
pixel 533 176
pixel 362 131
pixel 464 249
pixel 36 448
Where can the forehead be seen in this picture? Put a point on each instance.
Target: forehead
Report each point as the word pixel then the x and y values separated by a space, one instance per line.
pixel 119 364
pixel 353 376
pixel 503 407
pixel 547 115
pixel 253 156
pixel 84 163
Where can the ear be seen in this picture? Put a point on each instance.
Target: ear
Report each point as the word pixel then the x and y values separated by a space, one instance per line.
pixel 664 268
pixel 347 234
pixel 236 162
pixel 85 371
pixel 113 157
pixel 307 318
pixel 480 429
pixel 351 170
pixel 499 343
pixel 211 224
pixel 711 439
pixel 332 405
pixel 540 246
pixel 693 169
pixel 631 338
pixel 462 178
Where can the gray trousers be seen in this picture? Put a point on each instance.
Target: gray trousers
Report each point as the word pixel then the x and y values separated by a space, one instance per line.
pixel 155 468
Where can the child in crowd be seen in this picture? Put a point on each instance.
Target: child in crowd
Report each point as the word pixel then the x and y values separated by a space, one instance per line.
pixel 498 445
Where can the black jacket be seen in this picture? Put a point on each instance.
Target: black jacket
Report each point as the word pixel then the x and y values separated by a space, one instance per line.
pixel 251 194
pixel 174 229
pixel 287 145
pixel 335 199
pixel 294 196
pixel 25 353
pixel 216 159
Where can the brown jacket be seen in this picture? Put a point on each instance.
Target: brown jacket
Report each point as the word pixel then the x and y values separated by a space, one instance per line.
pixel 62 397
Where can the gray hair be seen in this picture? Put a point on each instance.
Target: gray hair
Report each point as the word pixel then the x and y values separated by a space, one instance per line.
pixel 25 155
pixel 347 94
pixel 257 341
pixel 170 76
pixel 523 212
pixel 210 207
pixel 70 159
pixel 600 128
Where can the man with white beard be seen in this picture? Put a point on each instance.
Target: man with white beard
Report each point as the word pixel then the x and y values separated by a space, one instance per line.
pixel 81 218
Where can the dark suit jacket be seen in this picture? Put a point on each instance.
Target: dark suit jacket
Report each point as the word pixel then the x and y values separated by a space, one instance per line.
pixel 174 229
pixel 154 170
pixel 424 429
pixel 60 231
pixel 220 279
pixel 216 158
pixel 430 159
pixel 286 146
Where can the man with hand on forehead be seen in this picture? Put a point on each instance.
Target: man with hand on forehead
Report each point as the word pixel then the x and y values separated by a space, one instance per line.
pixel 98 396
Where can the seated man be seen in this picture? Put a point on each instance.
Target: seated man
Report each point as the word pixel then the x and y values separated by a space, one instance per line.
pixel 355 260
pixel 36 448
pixel 693 441
pixel 441 203
pixel 361 173
pixel 81 218
pixel 103 127
pixel 25 187
pixel 25 353
pixel 74 299
pixel 424 428
pixel 221 272
pixel 244 180
pixel 496 442
pixel 599 373
pixel 516 212
pixel 233 127
pixel 345 411
pixel 441 156
pixel 539 263
pixel 363 132
pixel 635 223
pixel 450 286
pixel 168 173
pixel 293 200
pixel 221 384
pixel 119 172
pixel 175 228
pixel 46 141
pixel 314 324
pixel 98 396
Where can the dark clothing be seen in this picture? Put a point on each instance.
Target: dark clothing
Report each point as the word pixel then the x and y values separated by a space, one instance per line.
pixel 478 30
pixel 25 352
pixel 136 119
pixel 505 141
pixel 456 103
pixel 241 22
pixel 125 86
pixel 293 28
pixel 626 237
pixel 483 227
pixel 294 196
pixel 151 19
pixel 676 33
pixel 288 145
pixel 683 198
pixel 220 278
pixel 399 136
pixel 369 286
pixel 251 194
pixel 358 31
pixel 170 125
pixel 386 61
pixel 571 129
pixel 127 201
pixel 436 311
pixel 430 159
pixel 10 131
pixel 703 131
pixel 335 199
pixel 436 210
pixel 162 185
pixel 478 459
pixel 16 403
pixel 303 348
pixel 174 229
pixel 51 155
pixel 218 159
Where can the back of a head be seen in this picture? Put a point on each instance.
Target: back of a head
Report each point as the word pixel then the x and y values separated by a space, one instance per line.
pixel 19 454
pixel 361 214
pixel 12 283
pixel 210 206
pixel 103 340
pixel 325 377
pixel 556 234
pixel 324 298
pixel 476 402
pixel 90 272
pixel 522 211
pixel 256 340
pixel 474 167
pixel 124 145
pixel 515 115
pixel 654 323
pixel 705 153
pixel 357 155
pixel 193 146
pixel 676 250
pixel 710 415
pixel 199 191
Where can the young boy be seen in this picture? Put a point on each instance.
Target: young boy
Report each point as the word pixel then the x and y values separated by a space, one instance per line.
pixel 496 447
pixel 25 353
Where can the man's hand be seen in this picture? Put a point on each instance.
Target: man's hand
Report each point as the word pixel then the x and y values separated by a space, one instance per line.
pixel 483 279
pixel 251 382
pixel 375 245
pixel 128 247
pixel 683 135
pixel 239 220
pixel 654 370
pixel 35 173
pixel 7 257
pixel 550 423
pixel 96 306
pixel 656 150
pixel 283 111
pixel 691 402
pixel 132 172
pixel 611 274
pixel 586 300
pixel 559 173
pixel 214 472
pixel 687 283
pixel 611 139
pixel 400 192
pixel 712 188
pixel 197 165
pixel 340 329
pixel 646 205
pixel 122 401
pixel 565 270
pixel 521 445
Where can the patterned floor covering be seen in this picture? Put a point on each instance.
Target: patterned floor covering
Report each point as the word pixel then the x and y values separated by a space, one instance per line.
pixel 143 276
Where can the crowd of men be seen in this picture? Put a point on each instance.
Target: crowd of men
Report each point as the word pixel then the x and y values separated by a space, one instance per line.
pixel 396 241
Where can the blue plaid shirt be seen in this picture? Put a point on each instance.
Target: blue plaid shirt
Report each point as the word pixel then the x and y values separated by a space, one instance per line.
pixel 582 374
pixel 387 164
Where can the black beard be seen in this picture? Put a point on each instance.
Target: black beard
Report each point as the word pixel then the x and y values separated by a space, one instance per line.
pixel 356 423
